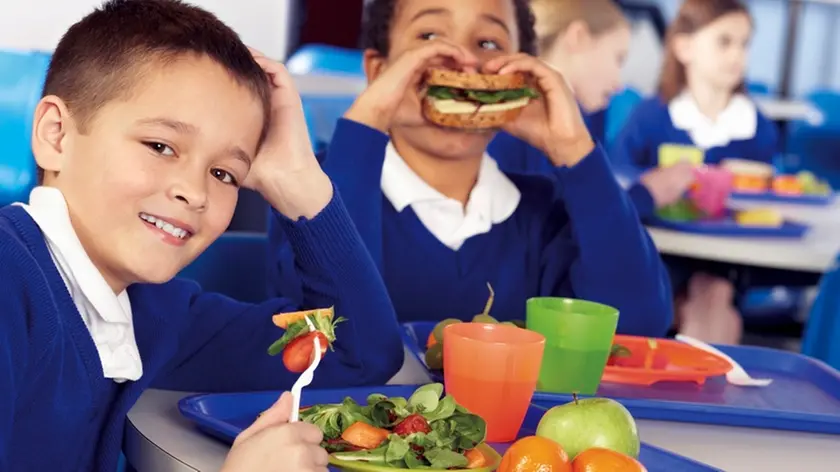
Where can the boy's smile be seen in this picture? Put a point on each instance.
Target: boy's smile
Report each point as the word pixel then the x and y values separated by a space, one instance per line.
pixel 171 231
pixel 169 155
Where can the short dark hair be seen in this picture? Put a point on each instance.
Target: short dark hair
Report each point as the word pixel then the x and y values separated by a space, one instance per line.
pixel 379 15
pixel 100 58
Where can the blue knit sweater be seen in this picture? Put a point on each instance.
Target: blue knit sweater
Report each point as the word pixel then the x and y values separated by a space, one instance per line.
pixel 59 413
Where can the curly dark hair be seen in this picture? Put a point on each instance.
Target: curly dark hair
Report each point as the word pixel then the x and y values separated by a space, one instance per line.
pixel 379 14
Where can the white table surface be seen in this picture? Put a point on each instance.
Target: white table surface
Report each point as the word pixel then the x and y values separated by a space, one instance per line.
pixel 813 253
pixel 787 109
pixel 158 439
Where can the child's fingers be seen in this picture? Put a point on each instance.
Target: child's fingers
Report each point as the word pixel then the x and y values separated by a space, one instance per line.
pixel 420 58
pixel 320 456
pixel 495 65
pixel 306 432
pixel 279 413
pixel 547 79
pixel 255 53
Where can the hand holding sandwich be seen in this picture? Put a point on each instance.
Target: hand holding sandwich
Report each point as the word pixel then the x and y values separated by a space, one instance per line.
pixel 379 105
pixel 552 124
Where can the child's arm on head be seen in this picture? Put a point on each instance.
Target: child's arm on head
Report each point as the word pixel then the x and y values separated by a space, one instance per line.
pixel 224 347
pixel 354 161
pixel 597 249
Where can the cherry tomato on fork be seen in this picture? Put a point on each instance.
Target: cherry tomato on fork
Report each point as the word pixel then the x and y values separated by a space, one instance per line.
pixel 298 354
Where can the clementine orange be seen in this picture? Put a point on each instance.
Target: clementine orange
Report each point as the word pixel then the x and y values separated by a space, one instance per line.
pixel 535 454
pixel 599 459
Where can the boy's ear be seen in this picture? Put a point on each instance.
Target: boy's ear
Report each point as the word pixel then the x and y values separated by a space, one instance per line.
pixel 577 36
pixel 374 64
pixel 49 133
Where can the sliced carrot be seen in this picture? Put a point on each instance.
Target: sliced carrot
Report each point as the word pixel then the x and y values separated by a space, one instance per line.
pixel 475 459
pixel 283 320
pixel 364 435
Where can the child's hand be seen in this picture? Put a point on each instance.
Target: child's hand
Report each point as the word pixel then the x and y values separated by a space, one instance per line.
pixel 379 106
pixel 552 123
pixel 285 171
pixel 271 443
pixel 667 185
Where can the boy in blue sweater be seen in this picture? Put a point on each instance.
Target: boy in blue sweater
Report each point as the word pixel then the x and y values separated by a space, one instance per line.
pixel 438 216
pixel 153 115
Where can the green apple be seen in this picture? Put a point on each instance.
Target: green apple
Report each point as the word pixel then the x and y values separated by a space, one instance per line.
pixel 591 422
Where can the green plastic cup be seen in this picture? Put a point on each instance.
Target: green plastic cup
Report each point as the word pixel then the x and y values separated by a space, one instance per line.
pixel 578 338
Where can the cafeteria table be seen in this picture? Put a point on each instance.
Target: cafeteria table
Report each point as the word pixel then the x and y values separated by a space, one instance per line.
pixel 814 253
pixel 159 439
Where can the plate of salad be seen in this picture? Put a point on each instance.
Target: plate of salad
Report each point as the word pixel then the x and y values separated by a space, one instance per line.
pixel 425 431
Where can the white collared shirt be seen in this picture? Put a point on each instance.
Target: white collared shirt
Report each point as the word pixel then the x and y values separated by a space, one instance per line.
pixel 492 201
pixel 107 316
pixel 738 121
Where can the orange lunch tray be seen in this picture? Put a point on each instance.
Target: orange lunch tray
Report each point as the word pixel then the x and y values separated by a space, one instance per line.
pixel 667 361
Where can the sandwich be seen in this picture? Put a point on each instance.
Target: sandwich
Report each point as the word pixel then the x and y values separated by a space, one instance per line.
pixel 474 101
pixel 750 176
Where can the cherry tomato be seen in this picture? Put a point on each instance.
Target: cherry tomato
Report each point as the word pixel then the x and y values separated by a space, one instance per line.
pixel 298 354
pixel 412 424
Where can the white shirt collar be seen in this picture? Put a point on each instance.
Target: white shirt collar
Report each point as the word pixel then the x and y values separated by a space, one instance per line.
pixel 738 121
pixel 492 201
pixel 107 316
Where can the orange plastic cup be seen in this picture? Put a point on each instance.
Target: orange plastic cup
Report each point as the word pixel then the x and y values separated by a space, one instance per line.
pixel 492 371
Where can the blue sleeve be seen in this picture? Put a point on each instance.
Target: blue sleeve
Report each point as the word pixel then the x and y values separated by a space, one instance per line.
pixel 632 149
pixel 224 348
pixel 354 162
pixel 613 260
pixel 642 200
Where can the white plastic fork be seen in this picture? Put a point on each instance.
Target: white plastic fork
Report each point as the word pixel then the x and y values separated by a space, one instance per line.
pixel 737 376
pixel 306 377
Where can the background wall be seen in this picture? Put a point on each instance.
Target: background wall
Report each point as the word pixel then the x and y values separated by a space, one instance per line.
pixel 39 24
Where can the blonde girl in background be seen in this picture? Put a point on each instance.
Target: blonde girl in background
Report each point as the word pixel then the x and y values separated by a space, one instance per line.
pixel 587 42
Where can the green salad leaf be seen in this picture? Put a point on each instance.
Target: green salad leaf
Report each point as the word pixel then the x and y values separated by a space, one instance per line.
pixel 485 97
pixel 452 430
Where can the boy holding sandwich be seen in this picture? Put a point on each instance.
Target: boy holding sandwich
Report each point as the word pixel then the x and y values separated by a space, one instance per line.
pixel 154 114
pixel 439 218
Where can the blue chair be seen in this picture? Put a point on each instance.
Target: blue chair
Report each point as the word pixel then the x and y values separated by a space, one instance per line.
pixel 322 114
pixel 234 265
pixel 619 110
pixel 324 59
pixel 822 330
pixel 758 88
pixel 22 77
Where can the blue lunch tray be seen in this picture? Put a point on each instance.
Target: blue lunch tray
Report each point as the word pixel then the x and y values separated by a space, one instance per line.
pixel 772 197
pixel 225 415
pixel 728 227
pixel 804 395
